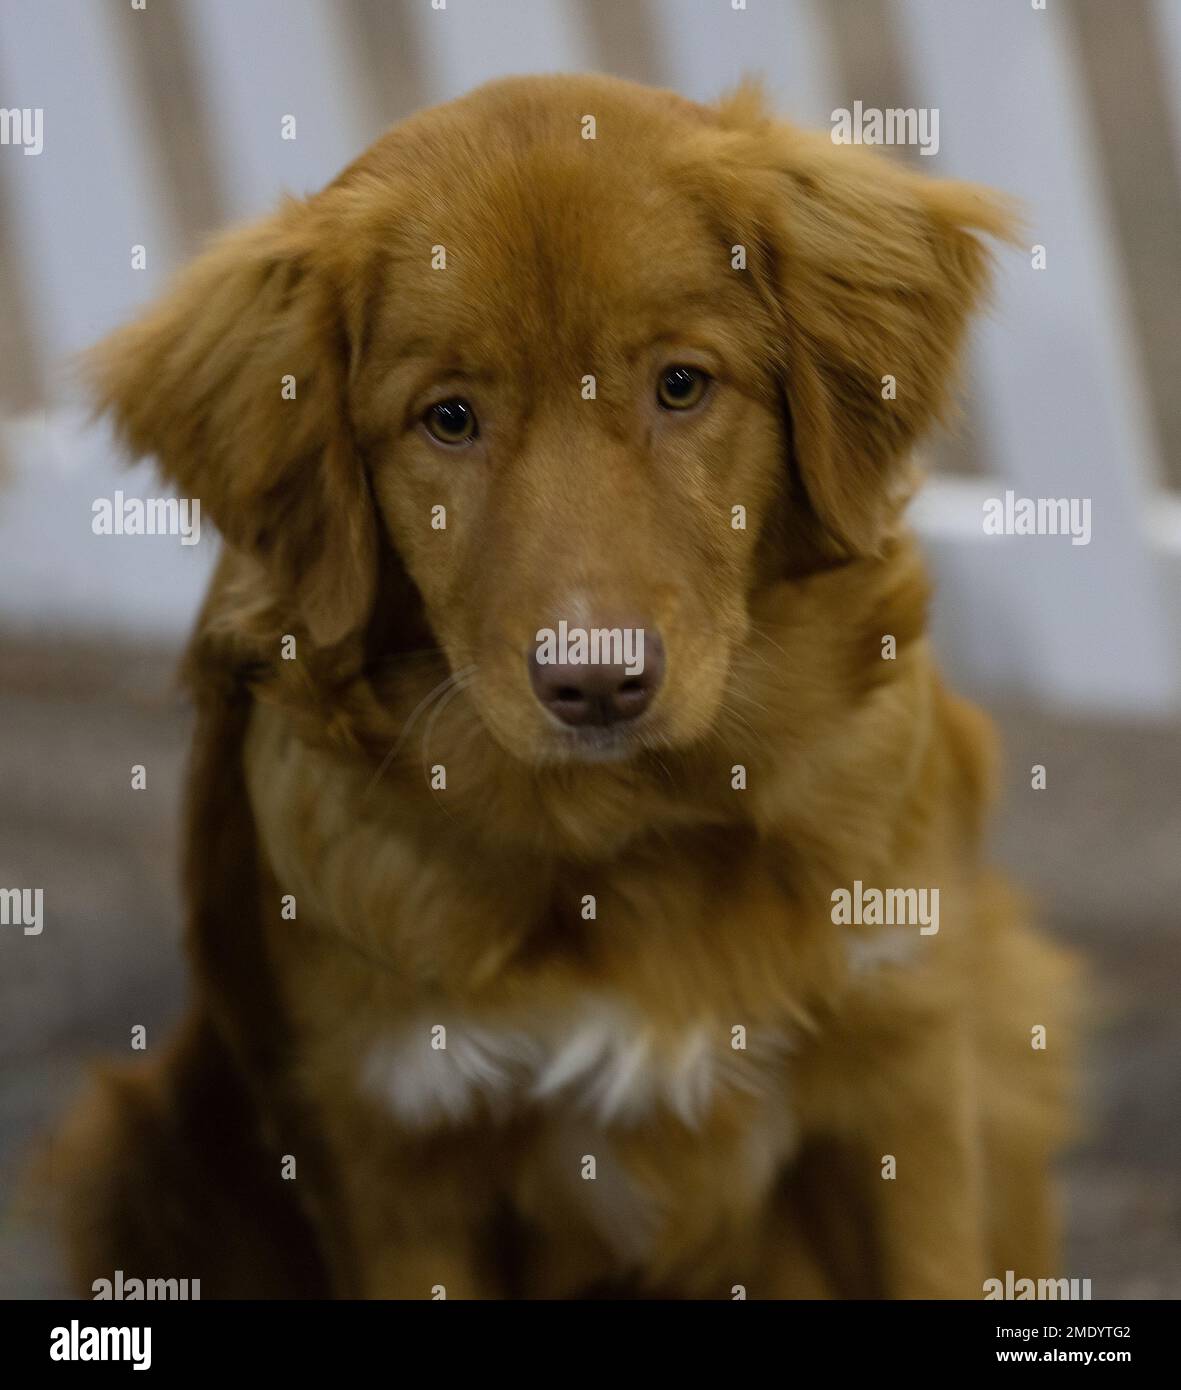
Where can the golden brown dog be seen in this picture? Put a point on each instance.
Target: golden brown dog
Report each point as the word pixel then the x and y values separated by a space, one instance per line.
pixel 516 976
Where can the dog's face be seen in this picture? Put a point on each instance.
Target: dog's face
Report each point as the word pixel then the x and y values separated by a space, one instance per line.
pixel 592 393
pixel 586 392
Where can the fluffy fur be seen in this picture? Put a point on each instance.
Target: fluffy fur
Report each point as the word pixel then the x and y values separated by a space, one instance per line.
pixel 570 1038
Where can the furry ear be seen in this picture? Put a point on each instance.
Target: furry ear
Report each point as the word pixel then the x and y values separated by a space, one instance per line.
pixel 873 272
pixel 198 382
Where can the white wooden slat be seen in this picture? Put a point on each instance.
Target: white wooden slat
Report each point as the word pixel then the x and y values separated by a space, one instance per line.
pixel 74 212
pixel 709 46
pixel 259 62
pixel 992 651
pixel 1054 368
pixel 56 576
pixel 474 41
pixel 78 207
pixel 981 635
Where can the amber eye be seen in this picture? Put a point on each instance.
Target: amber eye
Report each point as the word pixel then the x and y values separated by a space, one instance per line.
pixel 451 422
pixel 681 388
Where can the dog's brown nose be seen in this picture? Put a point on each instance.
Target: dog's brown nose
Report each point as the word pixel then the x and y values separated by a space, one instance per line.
pixel 596 676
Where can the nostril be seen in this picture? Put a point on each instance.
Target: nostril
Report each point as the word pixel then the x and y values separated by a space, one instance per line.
pixel 632 697
pixel 631 692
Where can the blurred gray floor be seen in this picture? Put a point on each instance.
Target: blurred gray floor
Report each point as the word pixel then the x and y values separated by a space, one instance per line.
pixel 1100 848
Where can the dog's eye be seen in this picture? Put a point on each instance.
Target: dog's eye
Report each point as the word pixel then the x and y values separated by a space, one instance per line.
pixel 451 422
pixel 681 388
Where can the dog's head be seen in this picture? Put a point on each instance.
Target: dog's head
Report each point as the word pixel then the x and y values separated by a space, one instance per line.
pixel 589 365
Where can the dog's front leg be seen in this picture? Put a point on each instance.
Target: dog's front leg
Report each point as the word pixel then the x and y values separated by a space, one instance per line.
pixel 924 1170
pixel 411 1217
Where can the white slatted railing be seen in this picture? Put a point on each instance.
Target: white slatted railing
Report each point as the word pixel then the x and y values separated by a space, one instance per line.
pixel 1056 392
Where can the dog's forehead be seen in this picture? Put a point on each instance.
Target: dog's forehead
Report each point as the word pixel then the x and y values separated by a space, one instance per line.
pixel 538 226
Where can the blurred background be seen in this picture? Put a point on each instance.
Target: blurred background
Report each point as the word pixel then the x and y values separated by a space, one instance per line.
pixel 162 122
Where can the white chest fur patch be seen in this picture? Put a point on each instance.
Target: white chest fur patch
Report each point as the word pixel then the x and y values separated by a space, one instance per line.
pixel 866 951
pixel 601 1057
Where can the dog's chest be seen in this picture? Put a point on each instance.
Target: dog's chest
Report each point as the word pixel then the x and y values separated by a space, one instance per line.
pixel 595 1056
pixel 602 1082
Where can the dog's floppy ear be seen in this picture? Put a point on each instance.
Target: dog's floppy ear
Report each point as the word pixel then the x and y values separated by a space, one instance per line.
pixel 873 271
pixel 235 381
